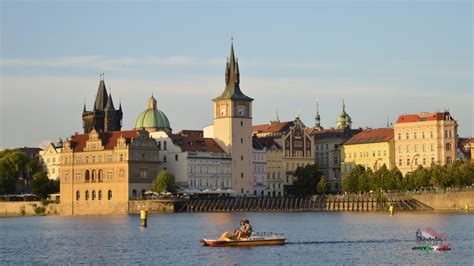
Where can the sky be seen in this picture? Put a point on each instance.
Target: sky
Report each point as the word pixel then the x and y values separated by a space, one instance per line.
pixel 384 58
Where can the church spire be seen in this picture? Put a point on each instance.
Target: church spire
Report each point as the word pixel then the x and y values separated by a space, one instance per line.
pixel 101 96
pixel 317 118
pixel 232 79
pixel 110 103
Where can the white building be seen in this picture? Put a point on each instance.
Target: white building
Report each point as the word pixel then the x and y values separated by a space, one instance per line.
pixel 50 159
pixel 195 161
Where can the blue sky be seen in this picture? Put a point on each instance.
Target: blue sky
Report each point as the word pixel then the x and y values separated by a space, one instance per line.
pixel 384 58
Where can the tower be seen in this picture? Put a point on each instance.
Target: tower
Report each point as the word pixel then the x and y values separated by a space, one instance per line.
pixel 344 120
pixel 317 118
pixel 233 126
pixel 103 117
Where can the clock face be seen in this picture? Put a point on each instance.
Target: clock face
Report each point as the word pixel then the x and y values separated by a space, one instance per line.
pixel 223 110
pixel 241 110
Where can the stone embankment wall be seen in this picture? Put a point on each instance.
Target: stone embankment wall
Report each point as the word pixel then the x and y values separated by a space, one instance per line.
pixel 152 206
pixel 450 201
pixel 19 208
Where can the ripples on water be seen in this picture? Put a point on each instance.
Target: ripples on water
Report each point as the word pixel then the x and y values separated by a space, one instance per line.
pixel 312 238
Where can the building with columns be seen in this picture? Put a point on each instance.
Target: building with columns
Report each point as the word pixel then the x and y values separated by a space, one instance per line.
pixel 425 139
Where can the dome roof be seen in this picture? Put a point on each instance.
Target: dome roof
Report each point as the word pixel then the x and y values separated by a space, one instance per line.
pixel 152 118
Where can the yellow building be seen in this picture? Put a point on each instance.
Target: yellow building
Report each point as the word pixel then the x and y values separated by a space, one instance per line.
pixel 101 172
pixel 232 128
pixel 370 148
pixel 423 139
pixel 275 171
pixel 472 149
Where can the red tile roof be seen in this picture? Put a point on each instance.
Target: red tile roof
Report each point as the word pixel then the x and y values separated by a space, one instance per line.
pixel 109 139
pixel 272 128
pixel 409 118
pixel 193 141
pixel 371 136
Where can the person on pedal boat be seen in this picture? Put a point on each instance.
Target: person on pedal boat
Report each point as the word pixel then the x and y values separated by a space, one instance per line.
pixel 239 232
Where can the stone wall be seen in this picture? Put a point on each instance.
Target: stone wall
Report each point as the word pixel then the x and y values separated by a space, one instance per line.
pixel 19 208
pixel 94 208
pixel 450 201
pixel 152 206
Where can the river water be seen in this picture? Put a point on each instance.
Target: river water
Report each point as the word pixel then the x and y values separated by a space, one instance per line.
pixel 312 238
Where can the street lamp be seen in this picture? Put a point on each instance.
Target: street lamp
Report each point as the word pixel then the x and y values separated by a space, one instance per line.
pixel 412 160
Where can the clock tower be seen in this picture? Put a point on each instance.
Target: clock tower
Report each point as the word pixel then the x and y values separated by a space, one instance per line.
pixel 233 126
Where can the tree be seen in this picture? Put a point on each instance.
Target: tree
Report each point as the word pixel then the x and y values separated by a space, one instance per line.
pixel 467 173
pixel 42 186
pixel 307 178
pixel 351 182
pixel 322 185
pixel 164 182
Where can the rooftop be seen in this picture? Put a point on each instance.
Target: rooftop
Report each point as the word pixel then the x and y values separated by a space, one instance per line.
pixel 421 117
pixel 371 136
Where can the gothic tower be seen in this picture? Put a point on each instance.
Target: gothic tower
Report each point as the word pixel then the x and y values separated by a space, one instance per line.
pixel 104 117
pixel 233 126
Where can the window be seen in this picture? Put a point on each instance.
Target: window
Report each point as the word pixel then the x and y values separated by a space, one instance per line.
pixel 432 160
pixel 121 157
pixel 164 145
pixel 164 159
pixel 93 176
pixel 408 135
pixel 414 135
pixel 384 153
pixel 87 177
pixel 241 140
pixel 416 147
pixel 408 161
pixel 159 145
pixel 416 161
pixel 241 175
pixel 78 195
pixel 100 194
pixel 101 175
pixel 448 146
pixel 241 157
pixel 86 195
pixel 242 124
pixel 78 177
pixel 431 134
pixel 400 162
pixel 109 175
pixel 176 157
pixel 449 160
pixel 93 194
pixel 109 195
pixel 445 133
pixel 424 161
pixel 422 134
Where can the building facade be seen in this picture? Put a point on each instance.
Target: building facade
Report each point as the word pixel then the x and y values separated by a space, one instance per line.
pixel 370 148
pixel 275 172
pixel 425 139
pixel 197 163
pixel 233 127
pixel 101 172
pixel 103 117
pixel 259 168
pixel 50 159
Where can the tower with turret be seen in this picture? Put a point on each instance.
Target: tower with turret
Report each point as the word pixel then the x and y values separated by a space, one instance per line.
pixel 103 117
pixel 233 126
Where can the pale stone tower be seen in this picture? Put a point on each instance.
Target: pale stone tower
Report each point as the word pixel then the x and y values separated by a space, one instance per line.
pixel 233 126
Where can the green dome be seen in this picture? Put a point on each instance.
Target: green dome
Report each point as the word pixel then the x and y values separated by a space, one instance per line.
pixel 152 118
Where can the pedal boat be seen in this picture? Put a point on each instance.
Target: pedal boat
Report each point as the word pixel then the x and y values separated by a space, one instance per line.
pixel 256 239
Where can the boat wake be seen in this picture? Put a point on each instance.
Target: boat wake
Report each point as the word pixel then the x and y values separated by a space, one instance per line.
pixel 369 241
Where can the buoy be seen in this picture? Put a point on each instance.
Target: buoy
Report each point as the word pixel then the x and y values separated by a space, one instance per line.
pixel 390 209
pixel 466 208
pixel 143 217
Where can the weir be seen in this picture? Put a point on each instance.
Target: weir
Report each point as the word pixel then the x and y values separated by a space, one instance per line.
pixel 360 203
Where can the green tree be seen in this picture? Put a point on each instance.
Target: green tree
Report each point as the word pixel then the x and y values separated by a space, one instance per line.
pixel 164 182
pixel 42 186
pixel 467 173
pixel 394 179
pixel 421 177
pixel 307 179
pixel 322 185
pixel 351 182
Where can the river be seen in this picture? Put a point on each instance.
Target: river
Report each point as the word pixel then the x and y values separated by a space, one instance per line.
pixel 312 238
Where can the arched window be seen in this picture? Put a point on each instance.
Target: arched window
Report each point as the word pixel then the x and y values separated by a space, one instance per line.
pixel 143 193
pixel 93 195
pixel 100 194
pixel 93 176
pixel 109 195
pixel 101 176
pixel 78 195
pixel 87 195
pixel 87 176
pixel 134 194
